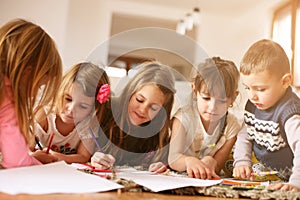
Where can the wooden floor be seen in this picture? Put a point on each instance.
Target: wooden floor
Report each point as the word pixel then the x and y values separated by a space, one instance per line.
pixel 106 195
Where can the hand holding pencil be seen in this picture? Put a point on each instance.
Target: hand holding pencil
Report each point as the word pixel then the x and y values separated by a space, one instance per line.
pixel 42 154
pixel 38 143
pixel 102 161
pixel 43 157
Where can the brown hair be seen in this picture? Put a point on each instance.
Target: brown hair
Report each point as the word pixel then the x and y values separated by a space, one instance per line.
pixel 217 75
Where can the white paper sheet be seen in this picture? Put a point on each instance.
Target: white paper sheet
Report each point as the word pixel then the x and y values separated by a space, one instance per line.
pixel 157 183
pixel 52 178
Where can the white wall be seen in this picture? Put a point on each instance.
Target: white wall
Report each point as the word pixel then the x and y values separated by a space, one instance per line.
pixel 79 26
pixel 230 36
pixel 87 26
pixel 47 14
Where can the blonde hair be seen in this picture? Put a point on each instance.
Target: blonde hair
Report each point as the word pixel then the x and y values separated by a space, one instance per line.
pixel 91 77
pixel 217 75
pixel 148 73
pixel 265 55
pixel 23 46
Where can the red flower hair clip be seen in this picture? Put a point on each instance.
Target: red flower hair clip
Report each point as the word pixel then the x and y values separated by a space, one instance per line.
pixel 103 93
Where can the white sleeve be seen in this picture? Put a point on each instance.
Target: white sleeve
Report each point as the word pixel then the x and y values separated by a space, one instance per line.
pixel 292 129
pixel 243 149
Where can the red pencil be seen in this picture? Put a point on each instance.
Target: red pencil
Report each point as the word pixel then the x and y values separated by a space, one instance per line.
pixel 50 141
pixel 240 182
pixel 93 169
pixel 102 170
pixel 87 165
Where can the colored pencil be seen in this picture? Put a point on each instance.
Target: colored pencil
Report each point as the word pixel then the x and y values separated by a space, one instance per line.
pixel 102 170
pixel 100 149
pixel 38 143
pixel 95 140
pixel 93 169
pixel 50 142
pixel 264 173
pixel 237 182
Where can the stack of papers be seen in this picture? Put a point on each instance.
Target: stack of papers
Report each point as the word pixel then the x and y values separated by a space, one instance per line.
pixel 60 177
pixel 156 182
pixel 56 177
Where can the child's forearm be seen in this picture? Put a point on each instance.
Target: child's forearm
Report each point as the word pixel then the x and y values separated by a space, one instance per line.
pixel 178 164
pixel 222 155
pixel 292 128
pixel 243 149
pixel 72 158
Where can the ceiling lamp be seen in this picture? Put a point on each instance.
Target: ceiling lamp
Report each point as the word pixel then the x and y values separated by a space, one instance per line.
pixel 196 16
pixel 190 20
pixel 180 28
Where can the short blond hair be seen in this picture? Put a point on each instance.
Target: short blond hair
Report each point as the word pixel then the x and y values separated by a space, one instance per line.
pixel 265 55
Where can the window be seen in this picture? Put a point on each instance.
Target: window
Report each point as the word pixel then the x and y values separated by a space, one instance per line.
pixel 286 28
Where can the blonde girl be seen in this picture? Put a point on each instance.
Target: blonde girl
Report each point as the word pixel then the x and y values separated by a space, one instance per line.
pixel 83 100
pixel 29 59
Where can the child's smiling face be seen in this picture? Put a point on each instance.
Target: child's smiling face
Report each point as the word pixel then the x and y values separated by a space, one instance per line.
pixel 145 103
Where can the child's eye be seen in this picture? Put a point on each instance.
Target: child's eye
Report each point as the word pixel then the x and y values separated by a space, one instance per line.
pixel 206 98
pixel 68 99
pixel 222 101
pixel 83 106
pixel 155 107
pixel 139 100
pixel 247 88
pixel 260 89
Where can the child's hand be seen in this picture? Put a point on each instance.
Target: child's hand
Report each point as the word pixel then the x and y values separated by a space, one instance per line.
pixel 102 161
pixel 44 157
pixel 198 169
pixel 283 187
pixel 157 167
pixel 242 172
pixel 210 162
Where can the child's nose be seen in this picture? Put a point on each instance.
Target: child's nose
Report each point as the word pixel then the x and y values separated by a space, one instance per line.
pixel 212 104
pixel 70 107
pixel 144 109
pixel 252 95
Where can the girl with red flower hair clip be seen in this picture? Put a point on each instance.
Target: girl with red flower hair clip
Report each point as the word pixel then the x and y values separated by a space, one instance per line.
pixel 83 100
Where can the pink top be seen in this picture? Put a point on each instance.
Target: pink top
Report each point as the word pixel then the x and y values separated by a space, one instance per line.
pixel 15 150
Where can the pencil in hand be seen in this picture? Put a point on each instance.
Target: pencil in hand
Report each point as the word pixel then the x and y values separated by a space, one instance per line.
pixel 37 141
pixel 50 142
pixel 95 140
